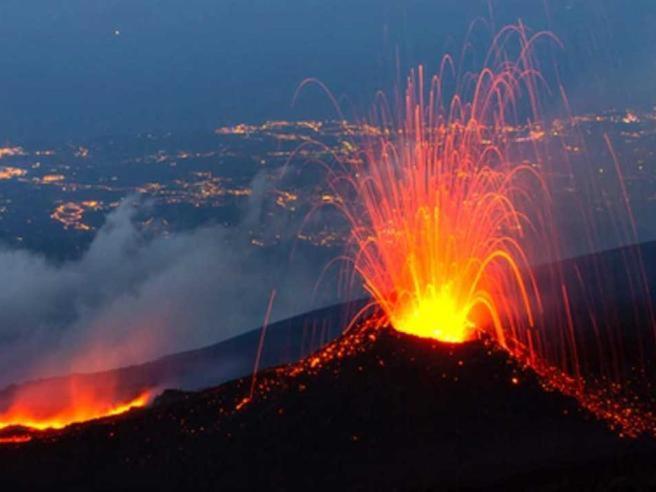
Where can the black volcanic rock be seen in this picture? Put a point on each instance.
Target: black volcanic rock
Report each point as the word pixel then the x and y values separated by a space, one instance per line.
pixel 374 410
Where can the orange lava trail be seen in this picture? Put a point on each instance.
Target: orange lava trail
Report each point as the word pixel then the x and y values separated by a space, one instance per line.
pixel 260 345
pixel 15 439
pixel 30 413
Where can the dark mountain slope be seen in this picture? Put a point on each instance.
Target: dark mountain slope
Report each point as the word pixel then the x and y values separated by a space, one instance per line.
pixel 374 410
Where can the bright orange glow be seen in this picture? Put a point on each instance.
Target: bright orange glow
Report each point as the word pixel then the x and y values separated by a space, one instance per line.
pixel 40 409
pixel 440 233
pixel 439 212
pixel 449 219
pixel 15 439
pixel 435 314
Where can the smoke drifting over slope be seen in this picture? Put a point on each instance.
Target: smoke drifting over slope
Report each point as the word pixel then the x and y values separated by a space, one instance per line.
pixel 130 298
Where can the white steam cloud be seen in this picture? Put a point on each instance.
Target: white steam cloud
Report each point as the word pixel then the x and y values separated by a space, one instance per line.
pixel 131 298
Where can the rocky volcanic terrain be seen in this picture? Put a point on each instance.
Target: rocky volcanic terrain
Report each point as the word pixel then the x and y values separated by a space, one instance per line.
pixel 373 410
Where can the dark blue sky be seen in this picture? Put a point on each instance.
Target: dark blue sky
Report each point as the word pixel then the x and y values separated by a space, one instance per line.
pixel 184 65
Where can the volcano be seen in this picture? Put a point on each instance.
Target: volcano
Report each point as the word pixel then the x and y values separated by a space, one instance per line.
pixel 374 409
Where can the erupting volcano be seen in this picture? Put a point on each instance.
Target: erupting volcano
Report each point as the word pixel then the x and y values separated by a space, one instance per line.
pixel 459 259
pixel 450 217
pixel 440 212
pixel 455 237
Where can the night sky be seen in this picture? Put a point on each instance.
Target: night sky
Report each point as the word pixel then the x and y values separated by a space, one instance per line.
pixel 85 68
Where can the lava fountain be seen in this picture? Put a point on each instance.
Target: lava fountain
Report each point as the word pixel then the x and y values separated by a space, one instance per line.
pixel 438 212
pixel 449 218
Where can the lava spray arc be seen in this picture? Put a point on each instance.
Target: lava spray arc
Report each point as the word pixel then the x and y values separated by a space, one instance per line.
pixel 440 214
pixel 449 218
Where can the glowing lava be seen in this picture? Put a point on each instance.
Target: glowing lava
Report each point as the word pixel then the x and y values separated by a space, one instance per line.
pixel 436 314
pixel 450 209
pixel 42 408
pixel 439 213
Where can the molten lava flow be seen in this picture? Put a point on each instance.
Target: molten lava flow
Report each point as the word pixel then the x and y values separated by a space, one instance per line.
pixel 48 406
pixel 15 439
